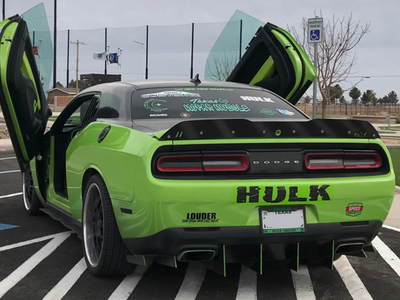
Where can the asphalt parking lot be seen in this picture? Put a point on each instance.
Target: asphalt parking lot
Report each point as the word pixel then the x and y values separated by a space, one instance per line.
pixel 41 259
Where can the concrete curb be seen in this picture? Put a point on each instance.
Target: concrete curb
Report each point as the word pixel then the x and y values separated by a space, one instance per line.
pixel 397 189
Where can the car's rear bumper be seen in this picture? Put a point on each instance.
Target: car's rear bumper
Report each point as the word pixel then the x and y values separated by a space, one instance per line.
pixel 318 240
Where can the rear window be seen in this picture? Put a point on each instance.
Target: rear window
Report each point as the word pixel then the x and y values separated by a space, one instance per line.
pixel 209 103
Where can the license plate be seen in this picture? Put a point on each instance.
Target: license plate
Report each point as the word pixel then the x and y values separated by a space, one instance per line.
pixel 283 219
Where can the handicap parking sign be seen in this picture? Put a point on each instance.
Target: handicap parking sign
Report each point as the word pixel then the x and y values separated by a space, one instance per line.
pixel 315 35
pixel 315 27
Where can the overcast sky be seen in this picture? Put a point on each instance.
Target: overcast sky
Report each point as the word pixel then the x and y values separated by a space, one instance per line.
pixel 378 52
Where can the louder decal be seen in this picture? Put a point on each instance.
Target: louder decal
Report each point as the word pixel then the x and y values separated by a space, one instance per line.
pixel 278 194
pixel 354 209
pixel 285 112
pixel 210 217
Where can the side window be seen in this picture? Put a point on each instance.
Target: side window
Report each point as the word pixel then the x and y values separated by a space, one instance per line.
pixel 110 105
pixel 76 118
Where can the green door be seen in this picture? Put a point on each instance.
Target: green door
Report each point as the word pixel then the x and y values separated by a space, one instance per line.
pixel 22 99
pixel 275 61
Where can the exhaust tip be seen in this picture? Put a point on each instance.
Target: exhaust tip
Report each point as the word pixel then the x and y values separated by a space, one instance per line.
pixel 196 255
pixel 350 248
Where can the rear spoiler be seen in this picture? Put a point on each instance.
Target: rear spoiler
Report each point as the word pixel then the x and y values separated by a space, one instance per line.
pixel 243 128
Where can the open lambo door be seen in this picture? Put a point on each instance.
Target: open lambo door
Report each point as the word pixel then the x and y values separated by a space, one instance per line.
pixel 22 99
pixel 275 61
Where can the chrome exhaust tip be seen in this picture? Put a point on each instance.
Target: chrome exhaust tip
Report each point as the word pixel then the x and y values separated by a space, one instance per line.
pixel 196 255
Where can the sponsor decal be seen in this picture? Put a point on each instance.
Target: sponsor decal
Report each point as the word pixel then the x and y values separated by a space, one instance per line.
pixel 278 194
pixel 158 115
pixel 185 115
pixel 268 112
pixel 196 217
pixel 354 209
pixel 156 105
pixel 285 112
pixel 170 94
pixel 214 105
pixel 256 99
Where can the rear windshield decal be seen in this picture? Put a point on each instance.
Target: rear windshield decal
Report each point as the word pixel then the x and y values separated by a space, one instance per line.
pixel 156 105
pixel 285 112
pixel 170 94
pixel 218 105
pixel 257 99
pixel 267 112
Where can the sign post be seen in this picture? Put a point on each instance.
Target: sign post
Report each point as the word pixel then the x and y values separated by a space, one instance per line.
pixel 315 36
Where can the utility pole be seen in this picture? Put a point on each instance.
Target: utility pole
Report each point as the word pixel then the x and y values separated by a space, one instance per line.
pixel 77 63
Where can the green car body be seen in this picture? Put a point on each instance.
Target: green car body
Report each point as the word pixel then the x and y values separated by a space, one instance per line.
pixel 196 171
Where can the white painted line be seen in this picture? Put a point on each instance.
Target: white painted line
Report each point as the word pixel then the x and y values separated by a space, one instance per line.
pixel 350 278
pixel 192 282
pixel 388 255
pixel 11 280
pixel 11 157
pixel 302 284
pixel 247 289
pixel 13 171
pixel 65 284
pixel 391 228
pixel 11 195
pixel 33 241
pixel 126 287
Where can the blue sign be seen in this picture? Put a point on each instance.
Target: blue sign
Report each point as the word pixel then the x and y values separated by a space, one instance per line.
pixel 315 35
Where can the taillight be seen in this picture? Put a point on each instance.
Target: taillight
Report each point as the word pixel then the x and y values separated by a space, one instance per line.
pixel 203 163
pixel 329 161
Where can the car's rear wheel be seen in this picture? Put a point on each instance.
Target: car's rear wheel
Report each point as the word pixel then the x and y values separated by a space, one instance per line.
pixel 104 251
pixel 31 200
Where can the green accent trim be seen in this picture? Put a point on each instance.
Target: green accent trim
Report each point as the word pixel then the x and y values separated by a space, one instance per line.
pixel 5 46
pixel 144 260
pixel 333 254
pixel 284 230
pixel 223 255
pixel 261 260
pixel 298 257
pixel 175 263
pixel 266 71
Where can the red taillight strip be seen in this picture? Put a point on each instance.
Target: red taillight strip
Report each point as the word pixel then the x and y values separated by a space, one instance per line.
pixel 180 160
pixel 323 161
pixel 328 161
pixel 207 163
pixel 360 164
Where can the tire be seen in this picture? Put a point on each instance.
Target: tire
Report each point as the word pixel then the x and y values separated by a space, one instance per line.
pixel 104 251
pixel 31 200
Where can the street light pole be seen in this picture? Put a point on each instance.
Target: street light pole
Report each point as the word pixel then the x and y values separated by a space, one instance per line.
pixel 77 63
pixel 4 9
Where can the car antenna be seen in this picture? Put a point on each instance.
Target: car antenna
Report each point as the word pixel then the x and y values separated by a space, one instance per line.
pixel 195 80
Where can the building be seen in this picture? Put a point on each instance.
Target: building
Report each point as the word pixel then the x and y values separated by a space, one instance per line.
pixel 92 79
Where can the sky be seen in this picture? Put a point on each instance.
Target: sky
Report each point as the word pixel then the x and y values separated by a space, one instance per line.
pixel 378 60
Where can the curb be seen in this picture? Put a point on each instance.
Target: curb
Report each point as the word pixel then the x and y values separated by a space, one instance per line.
pixel 397 189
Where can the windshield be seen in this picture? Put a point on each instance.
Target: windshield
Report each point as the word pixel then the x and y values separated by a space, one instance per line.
pixel 210 103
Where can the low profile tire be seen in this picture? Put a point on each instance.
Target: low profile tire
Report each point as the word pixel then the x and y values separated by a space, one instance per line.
pixel 31 200
pixel 104 251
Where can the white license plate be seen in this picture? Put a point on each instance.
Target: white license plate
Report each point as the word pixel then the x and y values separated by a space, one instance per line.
pixel 284 219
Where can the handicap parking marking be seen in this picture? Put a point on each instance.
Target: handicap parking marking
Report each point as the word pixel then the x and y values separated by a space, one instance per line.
pixel 7 226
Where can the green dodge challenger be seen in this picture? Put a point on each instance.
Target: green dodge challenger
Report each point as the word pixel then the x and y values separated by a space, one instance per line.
pixel 180 171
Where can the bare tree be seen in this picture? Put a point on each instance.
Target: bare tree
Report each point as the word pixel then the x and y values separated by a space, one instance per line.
pixel 222 68
pixel 335 55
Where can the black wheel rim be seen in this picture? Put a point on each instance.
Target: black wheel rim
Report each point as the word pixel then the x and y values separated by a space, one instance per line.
pixel 93 225
pixel 28 189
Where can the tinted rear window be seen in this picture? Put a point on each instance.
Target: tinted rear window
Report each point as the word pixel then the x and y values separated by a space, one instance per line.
pixel 165 103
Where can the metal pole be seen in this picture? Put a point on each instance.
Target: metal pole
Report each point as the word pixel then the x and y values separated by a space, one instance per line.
pixel 240 39
pixel 67 59
pixel 4 9
pixel 191 53
pixel 315 81
pixel 55 46
pixel 77 66
pixel 146 76
pixel 105 49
